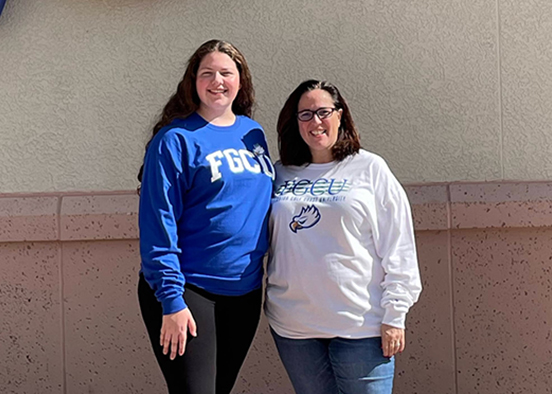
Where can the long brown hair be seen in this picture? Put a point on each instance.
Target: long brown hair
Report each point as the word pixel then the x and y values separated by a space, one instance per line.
pixel 291 146
pixel 186 100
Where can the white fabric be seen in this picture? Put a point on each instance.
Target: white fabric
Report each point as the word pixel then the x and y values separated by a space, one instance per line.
pixel 343 257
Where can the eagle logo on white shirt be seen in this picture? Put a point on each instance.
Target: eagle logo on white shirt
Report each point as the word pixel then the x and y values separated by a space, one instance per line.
pixel 307 218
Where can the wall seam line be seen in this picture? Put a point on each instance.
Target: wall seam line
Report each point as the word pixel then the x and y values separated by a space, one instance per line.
pixel 62 296
pixel 452 295
pixel 500 98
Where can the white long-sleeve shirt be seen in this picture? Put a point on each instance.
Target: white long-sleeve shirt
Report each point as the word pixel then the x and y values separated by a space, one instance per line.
pixel 343 256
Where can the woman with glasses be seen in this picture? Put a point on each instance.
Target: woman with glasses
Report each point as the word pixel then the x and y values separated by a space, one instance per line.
pixel 343 271
pixel 204 201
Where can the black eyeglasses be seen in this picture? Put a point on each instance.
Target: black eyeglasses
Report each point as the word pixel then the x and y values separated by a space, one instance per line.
pixel 322 113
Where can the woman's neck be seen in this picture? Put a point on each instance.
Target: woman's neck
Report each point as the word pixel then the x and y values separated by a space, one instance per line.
pixel 321 157
pixel 217 118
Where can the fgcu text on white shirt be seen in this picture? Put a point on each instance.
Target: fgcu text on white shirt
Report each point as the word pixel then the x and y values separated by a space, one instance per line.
pixel 318 187
pixel 238 161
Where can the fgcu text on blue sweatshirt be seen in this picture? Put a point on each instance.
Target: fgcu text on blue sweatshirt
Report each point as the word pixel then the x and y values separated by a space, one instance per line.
pixel 204 208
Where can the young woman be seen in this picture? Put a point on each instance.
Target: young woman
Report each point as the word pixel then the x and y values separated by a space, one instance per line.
pixel 204 200
pixel 343 271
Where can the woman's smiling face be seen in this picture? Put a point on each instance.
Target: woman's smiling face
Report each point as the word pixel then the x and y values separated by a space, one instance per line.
pixel 319 134
pixel 217 82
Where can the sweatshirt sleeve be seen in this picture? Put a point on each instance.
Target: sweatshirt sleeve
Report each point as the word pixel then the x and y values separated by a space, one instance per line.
pixel 395 245
pixel 161 199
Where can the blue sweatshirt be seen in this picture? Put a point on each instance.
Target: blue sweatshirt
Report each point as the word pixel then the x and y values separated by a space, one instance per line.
pixel 204 206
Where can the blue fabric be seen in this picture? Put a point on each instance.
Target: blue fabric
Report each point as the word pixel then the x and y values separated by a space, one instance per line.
pixel 2 4
pixel 336 365
pixel 203 209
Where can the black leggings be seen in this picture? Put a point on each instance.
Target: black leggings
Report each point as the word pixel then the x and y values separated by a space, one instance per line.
pixel 226 326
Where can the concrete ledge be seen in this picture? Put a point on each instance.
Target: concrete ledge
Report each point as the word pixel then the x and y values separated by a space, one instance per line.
pixel 28 219
pixel 96 217
pixel 497 205
pixel 107 216
pixel 430 206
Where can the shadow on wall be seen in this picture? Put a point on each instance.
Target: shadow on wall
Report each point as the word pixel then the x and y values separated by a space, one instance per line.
pixel 2 4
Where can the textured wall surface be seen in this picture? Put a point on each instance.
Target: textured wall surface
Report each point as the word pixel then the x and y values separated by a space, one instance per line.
pixel 526 55
pixel 444 90
pixel 71 323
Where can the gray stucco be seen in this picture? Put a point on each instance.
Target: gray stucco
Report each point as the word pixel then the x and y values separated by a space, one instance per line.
pixel 444 90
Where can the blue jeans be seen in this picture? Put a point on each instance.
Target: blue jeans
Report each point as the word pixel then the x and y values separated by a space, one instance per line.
pixel 336 365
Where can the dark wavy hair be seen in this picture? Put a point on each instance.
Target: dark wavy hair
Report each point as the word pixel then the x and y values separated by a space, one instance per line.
pixel 291 146
pixel 186 101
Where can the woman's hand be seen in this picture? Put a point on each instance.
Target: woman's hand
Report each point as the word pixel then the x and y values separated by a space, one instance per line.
pixel 174 331
pixel 392 340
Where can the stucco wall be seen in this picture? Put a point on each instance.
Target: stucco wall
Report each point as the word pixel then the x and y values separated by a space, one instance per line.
pixel 444 90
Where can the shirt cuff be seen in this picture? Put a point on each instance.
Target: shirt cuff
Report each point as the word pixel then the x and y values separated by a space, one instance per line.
pixel 394 318
pixel 173 305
